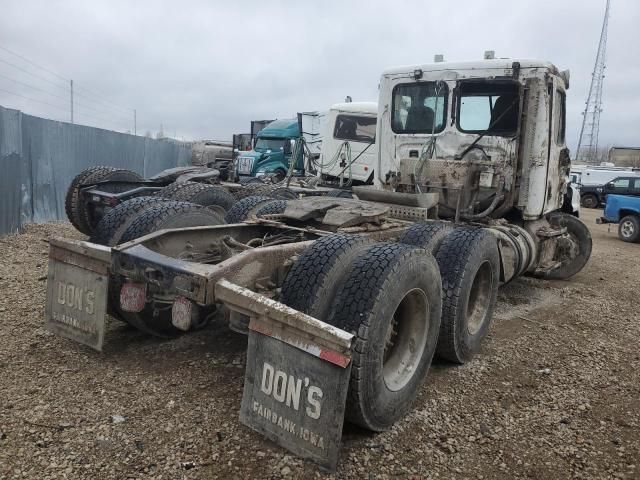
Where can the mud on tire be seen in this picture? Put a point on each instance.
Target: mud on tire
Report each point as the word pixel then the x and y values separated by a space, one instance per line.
pixel 278 191
pixel 427 235
pixel 200 194
pixel 242 208
pixel 470 267
pixel 170 214
pixel 312 281
pixel 391 301
pixel 271 208
pixel 114 223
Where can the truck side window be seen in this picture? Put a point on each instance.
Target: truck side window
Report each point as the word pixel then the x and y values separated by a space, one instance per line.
pixel 356 128
pixel 419 107
pixel 560 120
pixel 491 107
pixel 621 183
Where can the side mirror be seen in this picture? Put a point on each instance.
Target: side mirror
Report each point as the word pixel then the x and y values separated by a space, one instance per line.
pixel 288 146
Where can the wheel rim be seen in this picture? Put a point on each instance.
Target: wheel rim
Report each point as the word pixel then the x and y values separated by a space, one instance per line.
pixel 406 339
pixel 589 202
pixel 479 297
pixel 627 229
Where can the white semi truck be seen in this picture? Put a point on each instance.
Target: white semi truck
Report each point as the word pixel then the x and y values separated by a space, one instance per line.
pixel 346 301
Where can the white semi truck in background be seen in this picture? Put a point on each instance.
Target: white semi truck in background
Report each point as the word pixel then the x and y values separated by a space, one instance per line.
pixel 346 301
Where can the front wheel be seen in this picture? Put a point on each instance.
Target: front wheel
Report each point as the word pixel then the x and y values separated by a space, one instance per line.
pixel 629 229
pixel 573 248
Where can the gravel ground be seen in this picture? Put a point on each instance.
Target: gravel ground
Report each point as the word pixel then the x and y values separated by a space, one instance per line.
pixel 555 392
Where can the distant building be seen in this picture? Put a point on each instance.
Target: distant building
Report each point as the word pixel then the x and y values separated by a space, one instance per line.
pixel 625 156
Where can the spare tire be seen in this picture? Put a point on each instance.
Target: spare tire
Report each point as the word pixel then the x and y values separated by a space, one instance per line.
pixel 114 223
pixel 242 208
pixel 469 263
pixel 79 213
pixel 200 194
pixel 170 214
pixel 391 301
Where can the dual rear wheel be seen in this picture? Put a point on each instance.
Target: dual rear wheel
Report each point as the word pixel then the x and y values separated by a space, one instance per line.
pixel 431 293
pixel 388 296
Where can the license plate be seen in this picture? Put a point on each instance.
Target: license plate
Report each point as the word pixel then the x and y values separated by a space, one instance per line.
pixel 181 312
pixel 245 165
pixel 132 297
pixel 76 302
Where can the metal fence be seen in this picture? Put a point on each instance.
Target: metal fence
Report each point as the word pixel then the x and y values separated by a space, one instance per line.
pixel 39 158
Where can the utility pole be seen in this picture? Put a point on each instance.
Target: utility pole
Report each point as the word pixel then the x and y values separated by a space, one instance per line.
pixel 587 151
pixel 135 122
pixel 71 101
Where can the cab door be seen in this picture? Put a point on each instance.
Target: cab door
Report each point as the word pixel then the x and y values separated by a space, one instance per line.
pixel 559 161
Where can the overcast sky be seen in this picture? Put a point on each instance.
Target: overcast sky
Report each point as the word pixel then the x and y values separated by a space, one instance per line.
pixel 204 69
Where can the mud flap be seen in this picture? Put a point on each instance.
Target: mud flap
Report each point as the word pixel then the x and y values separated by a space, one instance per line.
pixel 297 376
pixel 77 285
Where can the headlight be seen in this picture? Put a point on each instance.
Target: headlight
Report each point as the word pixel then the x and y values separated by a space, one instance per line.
pixel 598 189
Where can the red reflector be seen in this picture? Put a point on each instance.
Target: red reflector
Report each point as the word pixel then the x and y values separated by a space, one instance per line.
pixel 132 297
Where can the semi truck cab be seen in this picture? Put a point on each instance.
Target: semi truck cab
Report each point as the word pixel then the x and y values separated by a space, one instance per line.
pixel 271 152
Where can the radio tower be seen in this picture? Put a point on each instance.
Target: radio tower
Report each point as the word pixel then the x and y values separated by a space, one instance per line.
pixel 587 151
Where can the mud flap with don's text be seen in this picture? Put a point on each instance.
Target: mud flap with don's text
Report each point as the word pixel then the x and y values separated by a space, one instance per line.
pixel 77 285
pixel 296 380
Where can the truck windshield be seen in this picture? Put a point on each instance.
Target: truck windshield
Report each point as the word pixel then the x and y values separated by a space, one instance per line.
pixel 353 127
pixel 419 107
pixel 264 144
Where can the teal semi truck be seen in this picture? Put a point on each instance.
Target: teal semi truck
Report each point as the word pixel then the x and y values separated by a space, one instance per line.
pixel 271 152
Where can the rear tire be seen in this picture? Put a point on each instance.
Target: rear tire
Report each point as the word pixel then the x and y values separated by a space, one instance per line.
pixel 427 235
pixel 170 214
pixel 312 281
pixel 242 208
pixel 200 194
pixel 629 229
pixel 155 319
pixel 589 200
pixel 249 180
pixel 273 207
pixel 391 301
pixel 79 212
pixel 110 229
pixel 469 263
pixel 278 191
